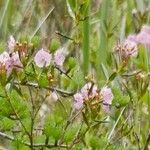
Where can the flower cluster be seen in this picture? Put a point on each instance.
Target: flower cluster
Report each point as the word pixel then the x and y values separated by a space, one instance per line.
pixel 43 58
pixel 87 92
pixel 127 49
pixel 10 60
pixel 107 97
pixel 143 37
pixel 90 92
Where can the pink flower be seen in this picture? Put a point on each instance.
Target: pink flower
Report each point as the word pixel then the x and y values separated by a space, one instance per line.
pixel 86 93
pixel 59 57
pixel 146 29
pixel 16 60
pixel 42 58
pixel 11 44
pixel 6 63
pixel 130 48
pixel 10 62
pixel 144 36
pixel 106 108
pixel 107 95
pixel 78 101
pixel 132 38
pixel 4 57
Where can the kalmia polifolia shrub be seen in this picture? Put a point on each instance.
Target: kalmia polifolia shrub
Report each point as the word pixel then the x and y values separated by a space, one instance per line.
pixel 46 102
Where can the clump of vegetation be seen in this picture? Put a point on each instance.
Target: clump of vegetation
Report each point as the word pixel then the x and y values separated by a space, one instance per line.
pixel 75 74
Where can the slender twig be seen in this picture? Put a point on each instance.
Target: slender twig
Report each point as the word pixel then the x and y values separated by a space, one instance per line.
pixel 138 140
pixel 76 138
pixel 63 72
pixel 69 121
pixel 113 128
pixel 19 119
pixel 32 117
pixel 147 142
pixel 58 33
pixel 110 134
pixel 34 85
pixel 11 138
pixel 12 107
pixel 43 100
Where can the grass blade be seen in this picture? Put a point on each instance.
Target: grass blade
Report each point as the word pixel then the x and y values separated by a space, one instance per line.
pixel 41 22
pixel 86 41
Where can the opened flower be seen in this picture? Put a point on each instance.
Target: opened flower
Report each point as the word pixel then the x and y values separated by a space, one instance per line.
pixel 131 49
pixel 4 62
pixel 144 36
pixel 89 91
pixel 59 57
pixel 107 97
pixel 132 38
pixel 8 63
pixel 11 44
pixel 78 101
pixel 42 58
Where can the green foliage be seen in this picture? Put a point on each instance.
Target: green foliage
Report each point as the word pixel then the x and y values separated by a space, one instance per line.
pixel 71 63
pixel 43 81
pixel 71 133
pixel 54 45
pixel 17 144
pixel 6 124
pixel 120 99
pixel 53 128
pixel 37 105
pixel 35 41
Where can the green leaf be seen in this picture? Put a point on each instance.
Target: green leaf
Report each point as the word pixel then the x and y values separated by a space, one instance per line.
pixel 6 124
pixel 54 45
pixel 120 100
pixel 97 142
pixel 112 76
pixel 70 10
pixel 71 62
pixel 70 133
pixel 53 127
pixel 35 41
pixel 43 81
pixel 53 131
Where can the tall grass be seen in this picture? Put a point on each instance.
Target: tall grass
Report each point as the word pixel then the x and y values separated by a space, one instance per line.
pixel 86 39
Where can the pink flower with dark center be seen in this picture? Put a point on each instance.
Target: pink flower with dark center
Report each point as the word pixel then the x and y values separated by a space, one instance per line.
pixel 59 57
pixel 78 101
pixel 42 58
pixel 11 44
